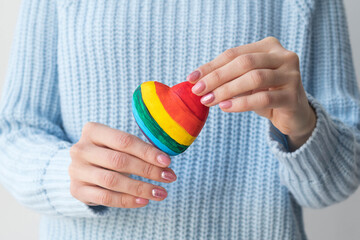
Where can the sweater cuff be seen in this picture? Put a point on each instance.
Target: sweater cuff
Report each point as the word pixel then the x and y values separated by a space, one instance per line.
pixel 311 161
pixel 56 188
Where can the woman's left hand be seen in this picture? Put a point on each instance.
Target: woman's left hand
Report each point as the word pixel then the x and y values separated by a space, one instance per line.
pixel 262 77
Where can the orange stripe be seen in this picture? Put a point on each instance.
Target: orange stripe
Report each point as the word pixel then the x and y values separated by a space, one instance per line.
pixel 178 110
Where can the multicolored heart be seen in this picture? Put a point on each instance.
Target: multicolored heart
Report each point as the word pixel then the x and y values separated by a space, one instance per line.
pixel 170 118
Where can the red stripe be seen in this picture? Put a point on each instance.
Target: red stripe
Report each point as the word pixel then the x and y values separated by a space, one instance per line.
pixel 178 111
pixel 183 90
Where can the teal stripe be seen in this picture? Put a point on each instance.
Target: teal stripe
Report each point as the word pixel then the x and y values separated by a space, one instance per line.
pixel 149 135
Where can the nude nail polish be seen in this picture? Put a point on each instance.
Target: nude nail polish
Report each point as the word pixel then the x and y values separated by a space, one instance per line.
pixel 163 159
pixel 225 105
pixel 193 76
pixel 198 87
pixel 159 193
pixel 167 175
pixel 208 98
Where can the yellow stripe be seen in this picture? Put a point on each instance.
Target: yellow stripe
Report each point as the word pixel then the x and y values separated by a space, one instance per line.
pixel 158 112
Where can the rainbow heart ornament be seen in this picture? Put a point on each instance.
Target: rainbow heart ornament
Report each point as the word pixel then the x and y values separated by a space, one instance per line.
pixel 170 118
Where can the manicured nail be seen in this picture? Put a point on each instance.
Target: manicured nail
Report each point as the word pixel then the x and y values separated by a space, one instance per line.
pixel 168 175
pixel 159 193
pixel 208 98
pixel 141 200
pixel 163 159
pixel 225 105
pixel 198 87
pixel 92 204
pixel 193 76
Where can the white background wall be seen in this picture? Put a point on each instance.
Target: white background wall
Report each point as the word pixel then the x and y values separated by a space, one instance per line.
pixel 341 221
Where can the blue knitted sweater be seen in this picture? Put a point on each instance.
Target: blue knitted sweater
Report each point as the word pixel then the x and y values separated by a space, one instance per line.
pixel 75 61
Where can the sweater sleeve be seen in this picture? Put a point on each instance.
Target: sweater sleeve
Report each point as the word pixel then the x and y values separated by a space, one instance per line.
pixel 34 152
pixel 326 169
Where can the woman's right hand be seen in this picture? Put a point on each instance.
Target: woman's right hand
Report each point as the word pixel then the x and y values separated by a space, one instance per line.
pixel 101 163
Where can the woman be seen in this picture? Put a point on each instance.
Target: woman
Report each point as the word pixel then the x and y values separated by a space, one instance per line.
pixel 282 132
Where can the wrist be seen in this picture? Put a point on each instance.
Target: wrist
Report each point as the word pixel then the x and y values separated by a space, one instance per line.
pixel 296 141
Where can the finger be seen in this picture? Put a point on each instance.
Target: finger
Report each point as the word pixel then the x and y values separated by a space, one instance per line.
pixel 103 135
pixel 126 163
pixel 257 101
pixel 99 196
pixel 264 45
pixel 250 81
pixel 117 182
pixel 236 68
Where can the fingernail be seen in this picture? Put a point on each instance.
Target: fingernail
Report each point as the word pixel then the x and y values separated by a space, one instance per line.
pixel 208 98
pixel 92 204
pixel 159 193
pixel 141 201
pixel 225 105
pixel 193 76
pixel 168 175
pixel 198 87
pixel 163 159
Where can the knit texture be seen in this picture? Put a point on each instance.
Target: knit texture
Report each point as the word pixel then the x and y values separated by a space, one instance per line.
pixel 75 61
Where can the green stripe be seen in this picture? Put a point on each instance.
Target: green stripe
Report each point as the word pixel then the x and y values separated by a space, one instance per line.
pixel 153 126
